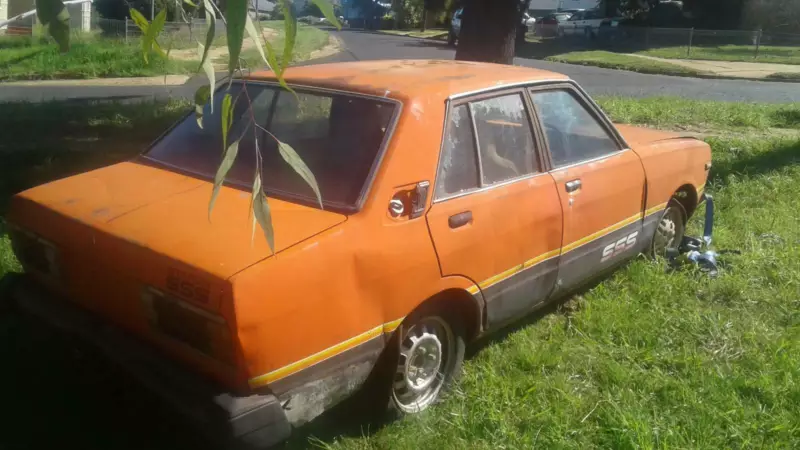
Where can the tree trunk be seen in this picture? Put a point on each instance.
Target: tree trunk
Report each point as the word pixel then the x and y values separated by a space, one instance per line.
pixel 488 31
pixel 424 18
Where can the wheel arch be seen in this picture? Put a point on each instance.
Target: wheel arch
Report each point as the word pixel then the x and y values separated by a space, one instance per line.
pixel 687 197
pixel 460 304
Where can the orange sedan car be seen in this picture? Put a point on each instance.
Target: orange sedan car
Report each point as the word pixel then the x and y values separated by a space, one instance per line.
pixel 456 197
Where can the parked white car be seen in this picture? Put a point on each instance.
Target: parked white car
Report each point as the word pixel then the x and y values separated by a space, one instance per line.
pixel 586 23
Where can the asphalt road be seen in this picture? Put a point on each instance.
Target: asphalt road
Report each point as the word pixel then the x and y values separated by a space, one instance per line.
pixel 365 45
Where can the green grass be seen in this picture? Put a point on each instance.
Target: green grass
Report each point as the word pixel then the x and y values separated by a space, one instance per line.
pixel 610 60
pixel 745 53
pixel 88 57
pixel 673 112
pixel 649 358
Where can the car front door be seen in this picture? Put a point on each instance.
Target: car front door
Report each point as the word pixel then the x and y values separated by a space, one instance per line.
pixel 496 214
pixel 599 180
pixel 573 23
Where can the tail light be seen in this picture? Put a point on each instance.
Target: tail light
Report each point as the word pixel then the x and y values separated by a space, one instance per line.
pixel 199 329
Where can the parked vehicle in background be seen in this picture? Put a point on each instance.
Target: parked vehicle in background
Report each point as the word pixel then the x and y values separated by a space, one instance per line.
pixel 586 23
pixel 528 20
pixel 455 27
pixel 437 225
pixel 548 25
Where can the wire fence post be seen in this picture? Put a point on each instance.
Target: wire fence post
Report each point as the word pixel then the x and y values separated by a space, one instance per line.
pixel 689 48
pixel 758 41
pixel 647 38
pixel 126 29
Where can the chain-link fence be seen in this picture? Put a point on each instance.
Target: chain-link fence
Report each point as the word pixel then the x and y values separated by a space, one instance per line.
pixel 181 34
pixel 687 43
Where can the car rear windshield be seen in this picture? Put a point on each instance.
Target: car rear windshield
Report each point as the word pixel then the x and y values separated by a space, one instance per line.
pixel 339 137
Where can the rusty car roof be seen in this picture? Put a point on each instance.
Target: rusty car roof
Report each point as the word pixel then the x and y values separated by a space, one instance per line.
pixel 403 79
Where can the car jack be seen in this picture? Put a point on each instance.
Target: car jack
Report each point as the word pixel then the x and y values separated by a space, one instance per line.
pixel 698 251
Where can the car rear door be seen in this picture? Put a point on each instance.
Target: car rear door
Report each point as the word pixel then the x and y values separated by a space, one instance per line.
pixel 496 214
pixel 600 182
pixel 571 25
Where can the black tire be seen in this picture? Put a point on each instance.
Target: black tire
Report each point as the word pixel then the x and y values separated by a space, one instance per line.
pixel 670 230
pixel 6 287
pixel 383 392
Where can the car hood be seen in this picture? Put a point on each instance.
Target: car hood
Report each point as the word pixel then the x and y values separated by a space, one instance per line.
pixel 166 213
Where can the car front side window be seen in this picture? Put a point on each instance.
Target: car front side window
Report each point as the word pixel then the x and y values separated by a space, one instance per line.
pixel 573 133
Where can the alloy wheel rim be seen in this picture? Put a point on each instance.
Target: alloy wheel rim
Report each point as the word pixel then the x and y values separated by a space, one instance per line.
pixel 667 232
pixel 425 353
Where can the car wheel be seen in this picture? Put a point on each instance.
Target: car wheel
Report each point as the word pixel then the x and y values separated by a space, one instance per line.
pixel 430 354
pixel 670 231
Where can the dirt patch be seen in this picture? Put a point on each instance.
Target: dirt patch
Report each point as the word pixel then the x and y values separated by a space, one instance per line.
pixel 219 54
pixel 334 46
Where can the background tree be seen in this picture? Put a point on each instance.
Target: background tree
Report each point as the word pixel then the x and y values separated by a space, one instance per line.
pixel 489 30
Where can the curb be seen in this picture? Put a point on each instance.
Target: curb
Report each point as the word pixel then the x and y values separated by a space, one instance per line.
pixel 161 80
pixel 704 76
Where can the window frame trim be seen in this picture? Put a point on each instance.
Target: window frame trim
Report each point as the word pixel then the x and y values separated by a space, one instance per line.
pixel 369 181
pixel 535 130
pixel 591 107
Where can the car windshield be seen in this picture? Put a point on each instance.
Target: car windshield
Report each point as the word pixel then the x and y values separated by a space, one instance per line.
pixel 338 136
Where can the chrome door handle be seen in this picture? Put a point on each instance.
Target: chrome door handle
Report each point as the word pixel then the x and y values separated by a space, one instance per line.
pixel 460 219
pixel 572 186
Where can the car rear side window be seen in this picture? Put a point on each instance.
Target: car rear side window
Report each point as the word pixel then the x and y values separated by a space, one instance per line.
pixel 573 133
pixel 504 138
pixel 458 168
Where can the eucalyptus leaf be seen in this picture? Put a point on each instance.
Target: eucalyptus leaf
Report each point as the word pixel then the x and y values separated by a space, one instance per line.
pixel 209 70
pixel 236 14
pixel 54 15
pixel 290 31
pixel 211 29
pixel 263 216
pixel 296 162
pixel 255 36
pixel 225 166
pixel 153 30
pixel 201 97
pixel 190 3
pixel 326 8
pixel 227 118
pixel 139 20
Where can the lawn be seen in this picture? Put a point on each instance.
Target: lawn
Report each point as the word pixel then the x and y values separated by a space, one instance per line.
pixel 24 58
pixel 610 60
pixel 92 56
pixel 649 358
pixel 746 53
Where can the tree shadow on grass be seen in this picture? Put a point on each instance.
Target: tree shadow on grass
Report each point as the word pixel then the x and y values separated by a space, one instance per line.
pixel 785 154
pixel 786 118
pixel 14 61
pixel 48 141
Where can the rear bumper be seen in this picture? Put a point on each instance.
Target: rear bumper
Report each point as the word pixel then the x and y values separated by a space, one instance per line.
pixel 226 418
